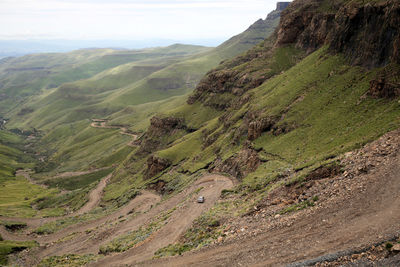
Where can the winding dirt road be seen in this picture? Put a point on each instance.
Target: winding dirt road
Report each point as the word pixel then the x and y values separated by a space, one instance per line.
pixel 181 219
pixel 356 213
pixel 94 196
pixel 70 174
pixel 32 223
pixel 87 237
pixel 101 123
pixel 353 212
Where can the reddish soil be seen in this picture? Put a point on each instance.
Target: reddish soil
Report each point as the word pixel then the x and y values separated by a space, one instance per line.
pixel 356 209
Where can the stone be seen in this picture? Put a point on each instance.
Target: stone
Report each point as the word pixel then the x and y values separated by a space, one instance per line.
pixel 156 165
pixel 396 247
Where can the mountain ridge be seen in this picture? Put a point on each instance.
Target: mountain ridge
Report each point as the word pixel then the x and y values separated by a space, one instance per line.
pixel 294 143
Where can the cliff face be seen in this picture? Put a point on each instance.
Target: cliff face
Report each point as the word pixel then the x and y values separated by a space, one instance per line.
pixel 160 129
pixel 367 34
pixel 280 6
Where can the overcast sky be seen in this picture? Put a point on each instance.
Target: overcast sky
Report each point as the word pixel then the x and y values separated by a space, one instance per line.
pixel 128 19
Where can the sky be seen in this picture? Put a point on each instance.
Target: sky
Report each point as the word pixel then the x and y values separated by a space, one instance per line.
pixel 128 19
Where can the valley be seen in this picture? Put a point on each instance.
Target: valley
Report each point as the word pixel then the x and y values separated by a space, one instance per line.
pixel 289 130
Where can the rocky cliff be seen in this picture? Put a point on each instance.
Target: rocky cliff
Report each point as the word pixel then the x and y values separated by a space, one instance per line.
pixel 367 34
pixel 280 6
pixel 342 27
pixel 348 28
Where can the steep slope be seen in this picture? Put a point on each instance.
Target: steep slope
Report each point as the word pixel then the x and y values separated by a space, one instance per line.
pixel 279 116
pixel 62 114
pixel 292 122
pixel 11 156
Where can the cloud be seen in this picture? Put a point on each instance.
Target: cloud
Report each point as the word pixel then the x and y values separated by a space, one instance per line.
pixel 130 18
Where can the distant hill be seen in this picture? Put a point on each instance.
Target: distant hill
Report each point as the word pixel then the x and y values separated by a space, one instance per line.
pixel 128 78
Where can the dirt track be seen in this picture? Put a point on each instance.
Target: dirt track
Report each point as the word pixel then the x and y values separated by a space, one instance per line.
pixel 88 237
pixel 180 221
pixel 356 212
pixel 94 199
pixel 100 123
pixel 70 174
pixel 94 196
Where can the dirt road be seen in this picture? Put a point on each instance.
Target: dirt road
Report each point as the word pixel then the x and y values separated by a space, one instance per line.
pixel 87 237
pixel 32 223
pixel 181 219
pixel 355 212
pixel 100 123
pixel 70 174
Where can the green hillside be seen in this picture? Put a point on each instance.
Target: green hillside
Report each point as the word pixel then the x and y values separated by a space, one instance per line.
pixel 265 126
pixel 271 116
pixel 29 75
pixel 142 81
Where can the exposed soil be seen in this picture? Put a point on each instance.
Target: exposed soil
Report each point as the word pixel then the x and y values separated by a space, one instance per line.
pixel 94 199
pixel 178 223
pixel 70 174
pixel 94 196
pixel 89 236
pixel 355 210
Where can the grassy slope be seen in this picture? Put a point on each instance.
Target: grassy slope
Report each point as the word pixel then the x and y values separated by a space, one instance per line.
pixel 322 97
pixel 30 75
pixel 9 247
pixel 132 84
pixel 71 144
pixel 182 77
pixel 11 156
pixel 16 193
pixel 330 91
pixel 318 91
pixel 116 89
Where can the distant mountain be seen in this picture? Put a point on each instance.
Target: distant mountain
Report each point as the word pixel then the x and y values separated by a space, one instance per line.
pixel 119 85
pixel 14 48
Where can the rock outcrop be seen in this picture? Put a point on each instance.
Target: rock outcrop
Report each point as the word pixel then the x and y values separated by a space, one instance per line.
pixel 280 6
pixel 367 34
pixel 381 88
pixel 257 126
pixel 156 165
pixel 231 83
pixel 221 87
pixel 159 126
pixel 239 165
pixel 158 130
pixel 158 186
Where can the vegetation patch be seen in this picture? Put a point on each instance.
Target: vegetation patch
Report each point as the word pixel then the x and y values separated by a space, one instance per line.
pixel 300 206
pixel 69 260
pixel 9 247
pixel 78 182
pixel 51 227
pixel 18 195
pixel 129 240
pixel 70 201
pixel 201 233
pixel 13 226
